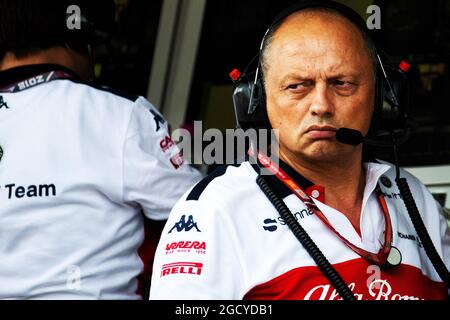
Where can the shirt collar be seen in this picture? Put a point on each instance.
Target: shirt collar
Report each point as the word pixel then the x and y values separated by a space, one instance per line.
pixel 374 171
pixel 17 74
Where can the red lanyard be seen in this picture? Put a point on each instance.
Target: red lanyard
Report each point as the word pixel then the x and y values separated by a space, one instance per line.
pixel 380 258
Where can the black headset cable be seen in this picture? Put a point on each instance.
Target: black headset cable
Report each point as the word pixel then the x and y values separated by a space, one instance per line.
pixel 322 262
pixel 418 223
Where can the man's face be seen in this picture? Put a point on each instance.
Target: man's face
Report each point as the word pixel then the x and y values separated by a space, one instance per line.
pixel 319 78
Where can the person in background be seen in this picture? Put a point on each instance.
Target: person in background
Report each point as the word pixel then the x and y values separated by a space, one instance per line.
pixel 82 167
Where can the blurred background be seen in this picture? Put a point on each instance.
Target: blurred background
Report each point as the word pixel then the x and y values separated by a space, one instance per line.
pixel 178 54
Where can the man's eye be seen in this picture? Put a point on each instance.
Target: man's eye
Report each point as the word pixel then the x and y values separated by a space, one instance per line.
pixel 343 84
pixel 299 86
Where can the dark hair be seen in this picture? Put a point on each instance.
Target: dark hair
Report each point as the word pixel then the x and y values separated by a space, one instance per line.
pixel 371 48
pixel 27 26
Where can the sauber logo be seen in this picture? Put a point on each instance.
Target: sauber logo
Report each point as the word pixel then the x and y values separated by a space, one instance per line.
pixel 194 268
pixel 271 225
pixel 159 120
pixel 186 246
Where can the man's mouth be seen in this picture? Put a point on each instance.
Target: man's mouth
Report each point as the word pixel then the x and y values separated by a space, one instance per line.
pixel 321 132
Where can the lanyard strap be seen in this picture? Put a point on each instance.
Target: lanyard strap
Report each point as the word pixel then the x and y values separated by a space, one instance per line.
pixel 35 81
pixel 380 258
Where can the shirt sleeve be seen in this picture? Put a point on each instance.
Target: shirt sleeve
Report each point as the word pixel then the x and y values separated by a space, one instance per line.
pixel 445 236
pixel 154 173
pixel 198 256
pixel 436 224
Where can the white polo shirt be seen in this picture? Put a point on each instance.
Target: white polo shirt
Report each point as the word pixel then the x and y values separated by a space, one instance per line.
pixel 79 166
pixel 225 240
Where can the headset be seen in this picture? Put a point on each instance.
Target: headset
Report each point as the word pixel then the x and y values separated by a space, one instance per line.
pixel 392 88
pixel 96 23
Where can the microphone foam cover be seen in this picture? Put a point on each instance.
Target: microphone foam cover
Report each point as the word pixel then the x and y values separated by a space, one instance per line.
pixel 349 136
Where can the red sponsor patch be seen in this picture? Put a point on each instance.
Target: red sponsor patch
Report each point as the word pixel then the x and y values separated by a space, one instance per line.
pixel 198 247
pixel 194 268
pixel 166 143
pixel 177 160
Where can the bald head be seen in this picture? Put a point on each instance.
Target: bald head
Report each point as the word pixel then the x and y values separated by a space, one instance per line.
pixel 317 25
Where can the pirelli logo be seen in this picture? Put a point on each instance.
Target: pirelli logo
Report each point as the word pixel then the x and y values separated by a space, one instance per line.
pixel 194 268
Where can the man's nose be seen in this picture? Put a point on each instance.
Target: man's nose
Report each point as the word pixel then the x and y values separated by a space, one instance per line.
pixel 321 104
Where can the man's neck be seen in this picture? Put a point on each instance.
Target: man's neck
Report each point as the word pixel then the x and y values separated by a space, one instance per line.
pixel 343 179
pixel 56 55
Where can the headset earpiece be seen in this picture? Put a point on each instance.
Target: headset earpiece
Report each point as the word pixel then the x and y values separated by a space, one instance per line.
pixel 392 100
pixel 96 23
pixel 249 115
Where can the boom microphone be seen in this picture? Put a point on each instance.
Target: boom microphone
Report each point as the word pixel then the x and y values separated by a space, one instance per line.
pixel 355 137
pixel 349 136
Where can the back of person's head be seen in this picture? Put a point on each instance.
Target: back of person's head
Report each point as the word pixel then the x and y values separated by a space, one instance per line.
pixel 28 26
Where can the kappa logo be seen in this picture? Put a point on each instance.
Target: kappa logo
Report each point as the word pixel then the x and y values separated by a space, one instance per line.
pixel 184 225
pixel 194 268
pixel 3 103
pixel 158 119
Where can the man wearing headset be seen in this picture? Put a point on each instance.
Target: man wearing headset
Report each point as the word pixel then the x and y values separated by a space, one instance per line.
pixel 228 238
pixel 81 167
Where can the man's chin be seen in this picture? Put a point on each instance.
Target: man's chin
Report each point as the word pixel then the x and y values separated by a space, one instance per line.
pixel 323 150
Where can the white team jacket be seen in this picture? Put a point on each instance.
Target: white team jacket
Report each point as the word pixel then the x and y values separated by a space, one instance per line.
pixel 78 166
pixel 225 240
